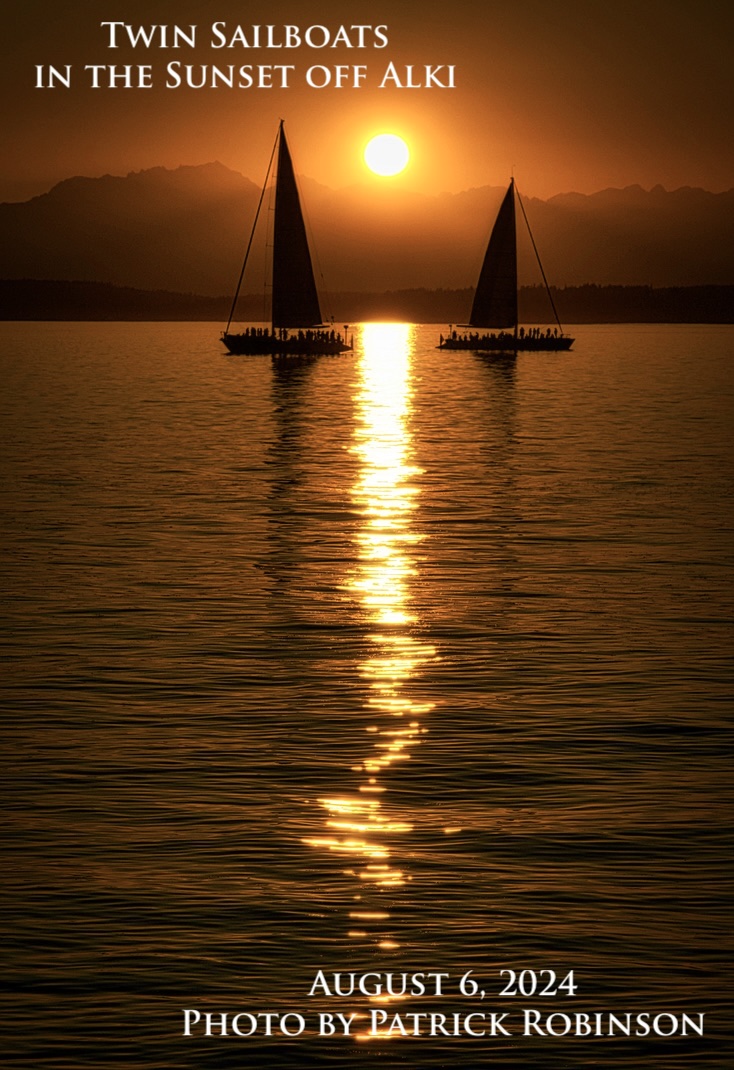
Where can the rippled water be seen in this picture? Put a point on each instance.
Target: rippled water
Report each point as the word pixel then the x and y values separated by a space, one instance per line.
pixel 394 662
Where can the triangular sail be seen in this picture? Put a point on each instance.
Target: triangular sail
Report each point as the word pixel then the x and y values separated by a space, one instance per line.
pixel 495 300
pixel 295 300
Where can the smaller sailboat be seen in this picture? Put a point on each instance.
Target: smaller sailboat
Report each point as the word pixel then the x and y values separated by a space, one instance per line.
pixel 495 298
pixel 296 323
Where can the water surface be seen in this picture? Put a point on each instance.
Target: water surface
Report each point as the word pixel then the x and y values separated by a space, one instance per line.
pixel 394 662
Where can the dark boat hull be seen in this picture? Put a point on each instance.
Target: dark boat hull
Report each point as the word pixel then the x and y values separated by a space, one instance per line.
pixel 488 344
pixel 249 345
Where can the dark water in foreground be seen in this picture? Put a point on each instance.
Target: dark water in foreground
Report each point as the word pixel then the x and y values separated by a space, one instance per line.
pixel 384 663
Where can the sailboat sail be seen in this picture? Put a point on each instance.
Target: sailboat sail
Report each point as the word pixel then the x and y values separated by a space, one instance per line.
pixel 495 299
pixel 295 299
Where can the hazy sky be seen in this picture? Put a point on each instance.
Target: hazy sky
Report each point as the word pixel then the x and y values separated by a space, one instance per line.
pixel 570 95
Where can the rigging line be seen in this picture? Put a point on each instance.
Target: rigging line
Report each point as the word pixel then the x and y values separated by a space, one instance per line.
pixel 537 256
pixel 252 235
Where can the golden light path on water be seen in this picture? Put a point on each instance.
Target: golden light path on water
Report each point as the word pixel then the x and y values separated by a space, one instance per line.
pixel 363 824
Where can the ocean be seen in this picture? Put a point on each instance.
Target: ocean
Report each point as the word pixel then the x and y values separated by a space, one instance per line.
pixel 404 666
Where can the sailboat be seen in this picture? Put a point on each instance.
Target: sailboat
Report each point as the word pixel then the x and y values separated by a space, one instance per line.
pixel 296 323
pixel 495 298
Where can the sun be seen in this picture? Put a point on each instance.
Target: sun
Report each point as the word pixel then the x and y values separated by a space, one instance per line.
pixel 386 155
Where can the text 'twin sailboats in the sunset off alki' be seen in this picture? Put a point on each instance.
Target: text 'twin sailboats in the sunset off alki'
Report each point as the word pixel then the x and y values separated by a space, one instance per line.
pixel 295 301
pixel 495 299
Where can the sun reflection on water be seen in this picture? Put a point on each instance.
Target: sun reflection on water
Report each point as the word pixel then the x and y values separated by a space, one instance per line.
pixel 385 494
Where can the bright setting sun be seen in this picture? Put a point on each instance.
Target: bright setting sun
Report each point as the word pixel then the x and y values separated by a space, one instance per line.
pixel 386 155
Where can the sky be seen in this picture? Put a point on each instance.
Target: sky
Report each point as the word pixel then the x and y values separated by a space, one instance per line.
pixel 567 96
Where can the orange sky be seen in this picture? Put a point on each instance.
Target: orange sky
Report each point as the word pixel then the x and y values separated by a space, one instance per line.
pixel 571 95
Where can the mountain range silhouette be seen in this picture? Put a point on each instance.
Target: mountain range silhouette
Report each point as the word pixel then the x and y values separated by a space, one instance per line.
pixel 185 230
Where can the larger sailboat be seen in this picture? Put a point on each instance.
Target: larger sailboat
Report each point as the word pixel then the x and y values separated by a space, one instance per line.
pixel 495 298
pixel 296 323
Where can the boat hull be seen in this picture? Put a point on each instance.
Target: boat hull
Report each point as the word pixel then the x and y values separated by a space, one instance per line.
pixel 249 345
pixel 489 344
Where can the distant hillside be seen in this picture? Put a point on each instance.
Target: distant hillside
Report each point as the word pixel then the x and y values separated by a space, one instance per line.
pixel 31 299
pixel 185 230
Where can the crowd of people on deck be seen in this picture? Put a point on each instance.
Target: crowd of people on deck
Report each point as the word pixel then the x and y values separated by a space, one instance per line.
pixel 500 340
pixel 282 340
pixel 537 332
pixel 281 335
